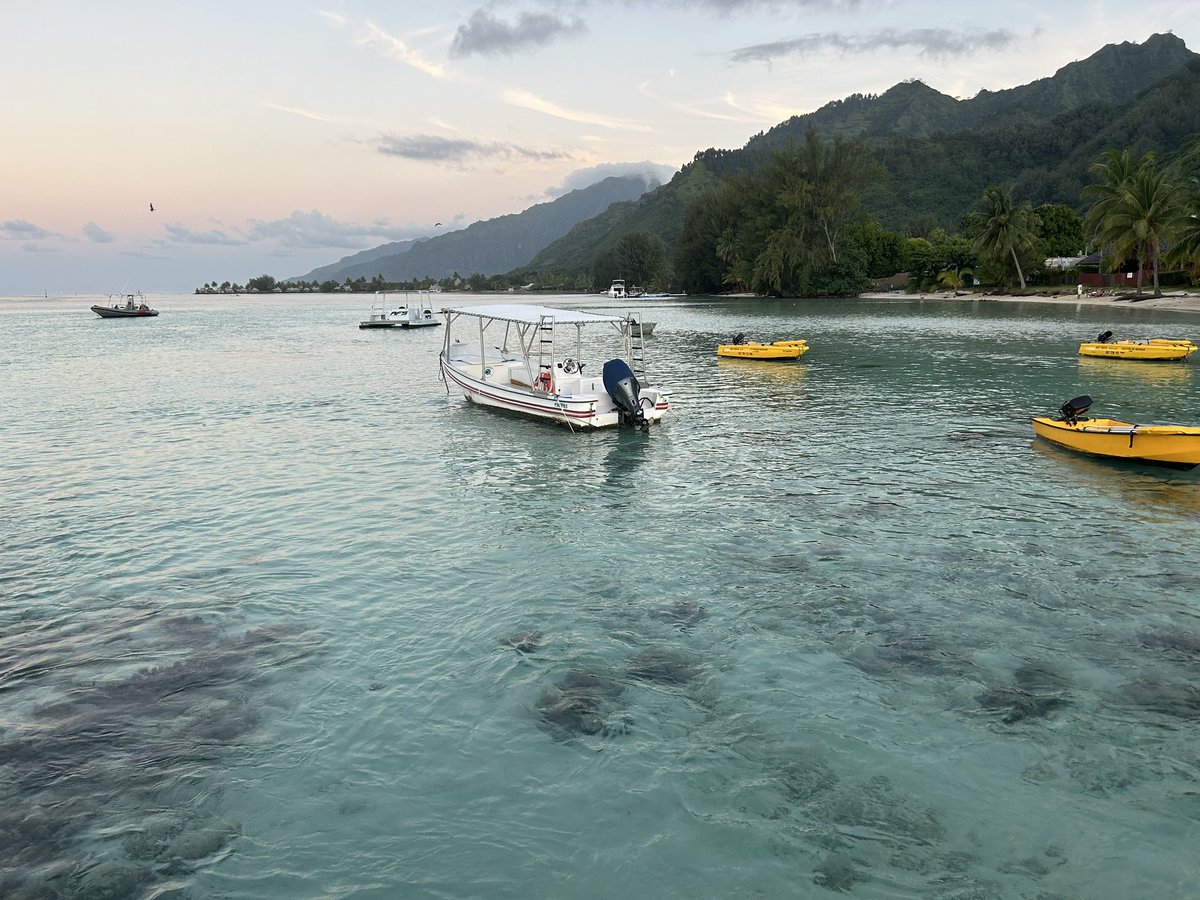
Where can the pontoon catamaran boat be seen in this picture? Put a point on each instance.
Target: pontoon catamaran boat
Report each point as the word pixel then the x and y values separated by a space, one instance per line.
pixel 530 360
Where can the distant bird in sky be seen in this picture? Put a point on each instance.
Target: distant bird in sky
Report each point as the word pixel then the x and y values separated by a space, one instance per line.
pixel 437 224
pixel 151 207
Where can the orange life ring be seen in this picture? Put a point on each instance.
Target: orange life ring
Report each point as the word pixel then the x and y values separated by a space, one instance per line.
pixel 544 382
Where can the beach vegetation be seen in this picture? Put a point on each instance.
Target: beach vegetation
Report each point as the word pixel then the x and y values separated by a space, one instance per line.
pixel 1005 230
pixel 1138 210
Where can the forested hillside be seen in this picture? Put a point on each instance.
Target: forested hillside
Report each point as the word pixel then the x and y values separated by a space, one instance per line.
pixel 932 156
pixel 489 247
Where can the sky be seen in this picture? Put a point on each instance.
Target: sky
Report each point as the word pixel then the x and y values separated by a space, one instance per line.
pixel 275 136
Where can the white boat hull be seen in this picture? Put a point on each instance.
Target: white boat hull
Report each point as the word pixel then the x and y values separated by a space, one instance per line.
pixel 579 401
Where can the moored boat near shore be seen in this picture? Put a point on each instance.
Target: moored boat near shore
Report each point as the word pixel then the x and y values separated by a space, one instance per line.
pixel 1159 349
pixel 1175 446
pixel 740 348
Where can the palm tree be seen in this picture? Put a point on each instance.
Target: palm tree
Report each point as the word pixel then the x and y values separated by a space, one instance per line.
pixel 1186 249
pixel 1138 215
pixel 954 279
pixel 1115 169
pixel 1005 230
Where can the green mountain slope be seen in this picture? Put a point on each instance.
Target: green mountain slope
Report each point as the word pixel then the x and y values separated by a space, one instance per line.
pixel 494 246
pixel 938 154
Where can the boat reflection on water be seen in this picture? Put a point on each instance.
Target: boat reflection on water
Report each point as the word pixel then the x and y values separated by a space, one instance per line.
pixel 761 371
pixel 1156 493
pixel 1093 368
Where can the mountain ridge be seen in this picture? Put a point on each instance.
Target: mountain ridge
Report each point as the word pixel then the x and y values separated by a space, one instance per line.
pixel 491 246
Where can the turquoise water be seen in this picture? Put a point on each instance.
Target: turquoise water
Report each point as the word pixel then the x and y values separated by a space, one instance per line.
pixel 279 618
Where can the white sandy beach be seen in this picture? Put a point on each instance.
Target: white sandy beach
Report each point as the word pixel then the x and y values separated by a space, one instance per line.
pixel 1183 301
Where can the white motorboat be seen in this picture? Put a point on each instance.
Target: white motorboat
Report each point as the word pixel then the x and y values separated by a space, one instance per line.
pixel 414 312
pixel 616 290
pixel 647 327
pixel 530 360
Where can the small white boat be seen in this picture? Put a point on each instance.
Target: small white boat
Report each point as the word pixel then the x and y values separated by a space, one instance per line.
pixel 530 360
pixel 616 290
pixel 413 312
pixel 647 327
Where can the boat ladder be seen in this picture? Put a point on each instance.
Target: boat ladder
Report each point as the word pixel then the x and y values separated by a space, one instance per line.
pixel 636 349
pixel 546 347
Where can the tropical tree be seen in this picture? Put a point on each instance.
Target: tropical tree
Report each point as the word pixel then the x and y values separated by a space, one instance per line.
pixel 1005 230
pixel 1137 212
pixel 1060 231
pixel 954 279
pixel 1186 249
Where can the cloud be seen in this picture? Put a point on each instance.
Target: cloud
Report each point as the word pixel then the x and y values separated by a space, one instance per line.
pixel 430 148
pixel 653 174
pixel 396 49
pixel 181 234
pixel 96 234
pixel 296 111
pixel 20 230
pixel 315 230
pixel 526 100
pixel 937 43
pixel 486 35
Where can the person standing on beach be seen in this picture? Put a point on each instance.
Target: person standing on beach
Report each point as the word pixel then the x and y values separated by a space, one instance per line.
pixel 1079 290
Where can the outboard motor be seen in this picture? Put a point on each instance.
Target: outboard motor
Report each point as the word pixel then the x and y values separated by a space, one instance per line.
pixel 1103 337
pixel 622 385
pixel 1074 408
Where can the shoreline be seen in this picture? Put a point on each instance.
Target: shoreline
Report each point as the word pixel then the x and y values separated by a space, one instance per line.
pixel 1183 301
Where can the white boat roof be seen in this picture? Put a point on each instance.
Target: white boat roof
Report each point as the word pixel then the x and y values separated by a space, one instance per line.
pixel 529 314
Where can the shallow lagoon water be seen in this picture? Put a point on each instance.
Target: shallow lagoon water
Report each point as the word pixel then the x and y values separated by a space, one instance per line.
pixel 279 618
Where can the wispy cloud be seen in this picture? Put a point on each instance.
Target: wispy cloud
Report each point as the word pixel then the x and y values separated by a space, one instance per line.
pixel 315 229
pixel 485 35
pixel 336 18
pixel 396 49
pixel 296 111
pixel 181 234
pixel 653 174
pixel 21 230
pixel 936 43
pixel 96 234
pixel 430 148
pixel 526 100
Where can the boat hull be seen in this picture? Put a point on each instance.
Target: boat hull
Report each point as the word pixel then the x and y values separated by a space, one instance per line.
pixel 1177 446
pixel 781 350
pixel 576 402
pixel 107 312
pixel 1156 350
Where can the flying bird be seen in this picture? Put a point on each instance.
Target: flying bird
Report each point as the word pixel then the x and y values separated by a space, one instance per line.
pixel 437 224
pixel 151 207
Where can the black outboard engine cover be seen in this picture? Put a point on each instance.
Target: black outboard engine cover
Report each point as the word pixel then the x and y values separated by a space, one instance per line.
pixel 1075 407
pixel 1103 337
pixel 622 385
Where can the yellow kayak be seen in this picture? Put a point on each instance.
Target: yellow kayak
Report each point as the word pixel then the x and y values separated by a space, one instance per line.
pixel 776 350
pixel 1159 349
pixel 1177 446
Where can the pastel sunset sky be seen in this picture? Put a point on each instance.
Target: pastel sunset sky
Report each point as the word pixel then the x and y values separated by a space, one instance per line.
pixel 274 136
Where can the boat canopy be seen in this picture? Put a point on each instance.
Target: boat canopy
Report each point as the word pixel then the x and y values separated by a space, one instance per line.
pixel 530 315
